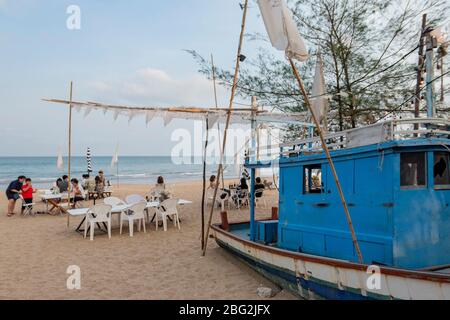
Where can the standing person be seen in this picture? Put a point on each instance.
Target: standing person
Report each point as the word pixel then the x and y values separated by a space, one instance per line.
pixel 13 194
pixel 64 184
pixel 27 192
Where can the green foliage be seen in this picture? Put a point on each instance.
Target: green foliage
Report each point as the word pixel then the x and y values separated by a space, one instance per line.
pixel 369 52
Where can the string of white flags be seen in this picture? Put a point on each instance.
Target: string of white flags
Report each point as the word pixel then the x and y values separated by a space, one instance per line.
pixel 213 115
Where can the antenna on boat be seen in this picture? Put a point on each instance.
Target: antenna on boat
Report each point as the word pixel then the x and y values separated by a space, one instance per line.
pixel 230 108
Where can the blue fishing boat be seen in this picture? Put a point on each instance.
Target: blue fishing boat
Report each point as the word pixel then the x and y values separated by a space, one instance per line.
pixel 396 179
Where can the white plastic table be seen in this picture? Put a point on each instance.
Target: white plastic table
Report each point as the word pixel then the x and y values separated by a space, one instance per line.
pixel 116 210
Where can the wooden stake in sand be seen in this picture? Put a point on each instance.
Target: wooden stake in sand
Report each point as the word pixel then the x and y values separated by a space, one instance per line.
pixel 233 91
pixel 330 161
pixel 70 151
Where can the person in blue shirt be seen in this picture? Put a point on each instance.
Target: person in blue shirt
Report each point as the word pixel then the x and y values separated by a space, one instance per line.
pixel 13 193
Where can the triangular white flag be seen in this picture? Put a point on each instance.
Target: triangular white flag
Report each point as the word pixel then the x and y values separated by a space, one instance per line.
pixel 168 116
pixel 59 161
pixel 115 158
pixel 131 115
pixel 282 29
pixel 87 110
pixel 116 114
pixel 149 115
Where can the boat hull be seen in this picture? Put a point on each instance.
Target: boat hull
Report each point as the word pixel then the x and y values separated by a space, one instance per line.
pixel 313 277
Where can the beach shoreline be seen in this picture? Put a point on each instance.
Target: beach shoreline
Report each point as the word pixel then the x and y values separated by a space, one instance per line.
pixel 155 265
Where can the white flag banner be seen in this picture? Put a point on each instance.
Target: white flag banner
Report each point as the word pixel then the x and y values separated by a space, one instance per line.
pixel 282 29
pixel 59 161
pixel 131 115
pixel 168 116
pixel 319 99
pixel 149 115
pixel 77 108
pixel 87 111
pixel 115 158
pixel 116 115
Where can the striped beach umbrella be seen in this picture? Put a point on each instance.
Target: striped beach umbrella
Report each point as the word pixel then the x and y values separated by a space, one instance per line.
pixel 89 160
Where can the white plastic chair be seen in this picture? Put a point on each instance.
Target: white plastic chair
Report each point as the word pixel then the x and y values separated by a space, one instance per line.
pixel 241 198
pixel 168 209
pixel 114 201
pixel 27 208
pixel 261 198
pixel 97 214
pixel 134 198
pixel 135 212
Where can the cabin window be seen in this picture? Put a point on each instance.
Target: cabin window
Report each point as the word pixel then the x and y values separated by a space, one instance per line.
pixel 312 179
pixel 412 169
pixel 441 171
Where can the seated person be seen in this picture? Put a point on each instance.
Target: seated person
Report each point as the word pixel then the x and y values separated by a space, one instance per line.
pixel 84 181
pixel 241 191
pixel 77 193
pixel 259 187
pixel 100 183
pixel 27 192
pixel 55 188
pixel 63 185
pixel 159 191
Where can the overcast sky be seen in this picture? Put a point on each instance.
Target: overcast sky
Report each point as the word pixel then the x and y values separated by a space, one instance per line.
pixel 125 52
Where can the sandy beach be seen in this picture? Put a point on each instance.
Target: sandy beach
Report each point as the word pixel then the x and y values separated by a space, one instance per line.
pixel 36 252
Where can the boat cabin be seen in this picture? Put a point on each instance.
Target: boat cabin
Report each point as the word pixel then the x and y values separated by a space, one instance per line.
pixel 396 182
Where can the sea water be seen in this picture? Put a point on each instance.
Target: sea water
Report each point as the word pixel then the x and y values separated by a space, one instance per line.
pixel 130 170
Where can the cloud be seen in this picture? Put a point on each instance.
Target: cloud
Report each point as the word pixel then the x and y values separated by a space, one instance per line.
pixel 155 87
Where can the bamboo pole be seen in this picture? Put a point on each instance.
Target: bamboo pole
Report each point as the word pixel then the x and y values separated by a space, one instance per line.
pixel 217 105
pixel 70 151
pixel 233 91
pixel 204 183
pixel 330 161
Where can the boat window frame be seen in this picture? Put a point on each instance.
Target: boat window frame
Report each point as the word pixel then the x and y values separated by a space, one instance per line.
pixel 307 183
pixel 441 186
pixel 425 174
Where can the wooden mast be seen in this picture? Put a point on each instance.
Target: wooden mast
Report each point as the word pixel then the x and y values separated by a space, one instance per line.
pixel 330 161
pixel 420 69
pixel 230 107
pixel 70 150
